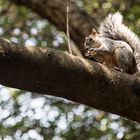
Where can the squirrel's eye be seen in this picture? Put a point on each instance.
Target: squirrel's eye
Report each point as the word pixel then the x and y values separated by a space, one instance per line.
pixel 90 39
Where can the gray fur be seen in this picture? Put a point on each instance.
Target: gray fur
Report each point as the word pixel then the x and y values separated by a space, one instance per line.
pixel 112 27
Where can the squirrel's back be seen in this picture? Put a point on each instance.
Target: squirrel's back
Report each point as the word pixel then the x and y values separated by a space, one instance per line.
pixel 112 27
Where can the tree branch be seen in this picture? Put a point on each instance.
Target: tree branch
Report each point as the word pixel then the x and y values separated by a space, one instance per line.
pixel 55 11
pixel 47 71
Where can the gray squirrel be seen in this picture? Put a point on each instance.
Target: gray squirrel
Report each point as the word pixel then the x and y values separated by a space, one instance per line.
pixel 115 45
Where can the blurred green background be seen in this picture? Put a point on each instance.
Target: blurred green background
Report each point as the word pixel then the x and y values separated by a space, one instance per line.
pixel 27 116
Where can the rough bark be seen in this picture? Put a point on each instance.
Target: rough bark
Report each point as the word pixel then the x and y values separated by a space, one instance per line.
pixel 47 71
pixel 55 11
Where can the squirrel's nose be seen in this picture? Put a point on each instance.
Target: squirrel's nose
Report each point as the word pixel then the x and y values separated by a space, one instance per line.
pixel 86 47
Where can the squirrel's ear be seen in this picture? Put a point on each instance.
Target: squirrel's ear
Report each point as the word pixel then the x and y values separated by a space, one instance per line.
pixel 94 32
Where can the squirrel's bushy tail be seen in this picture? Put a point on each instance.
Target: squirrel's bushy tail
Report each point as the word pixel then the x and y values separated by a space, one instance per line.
pixel 112 27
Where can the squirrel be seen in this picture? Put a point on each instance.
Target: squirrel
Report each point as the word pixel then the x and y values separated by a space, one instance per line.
pixel 115 45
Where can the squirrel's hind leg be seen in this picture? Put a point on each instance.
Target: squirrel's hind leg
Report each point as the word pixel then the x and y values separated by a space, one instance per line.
pixel 124 59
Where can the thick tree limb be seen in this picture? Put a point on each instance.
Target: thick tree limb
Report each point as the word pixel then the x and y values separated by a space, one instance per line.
pixel 55 11
pixel 47 71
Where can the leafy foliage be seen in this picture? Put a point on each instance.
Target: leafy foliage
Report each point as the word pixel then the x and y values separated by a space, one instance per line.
pixel 29 116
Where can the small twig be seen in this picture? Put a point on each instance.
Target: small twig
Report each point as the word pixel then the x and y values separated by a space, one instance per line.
pixel 67 24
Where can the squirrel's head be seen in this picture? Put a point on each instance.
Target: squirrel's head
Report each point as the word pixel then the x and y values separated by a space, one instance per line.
pixel 92 41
